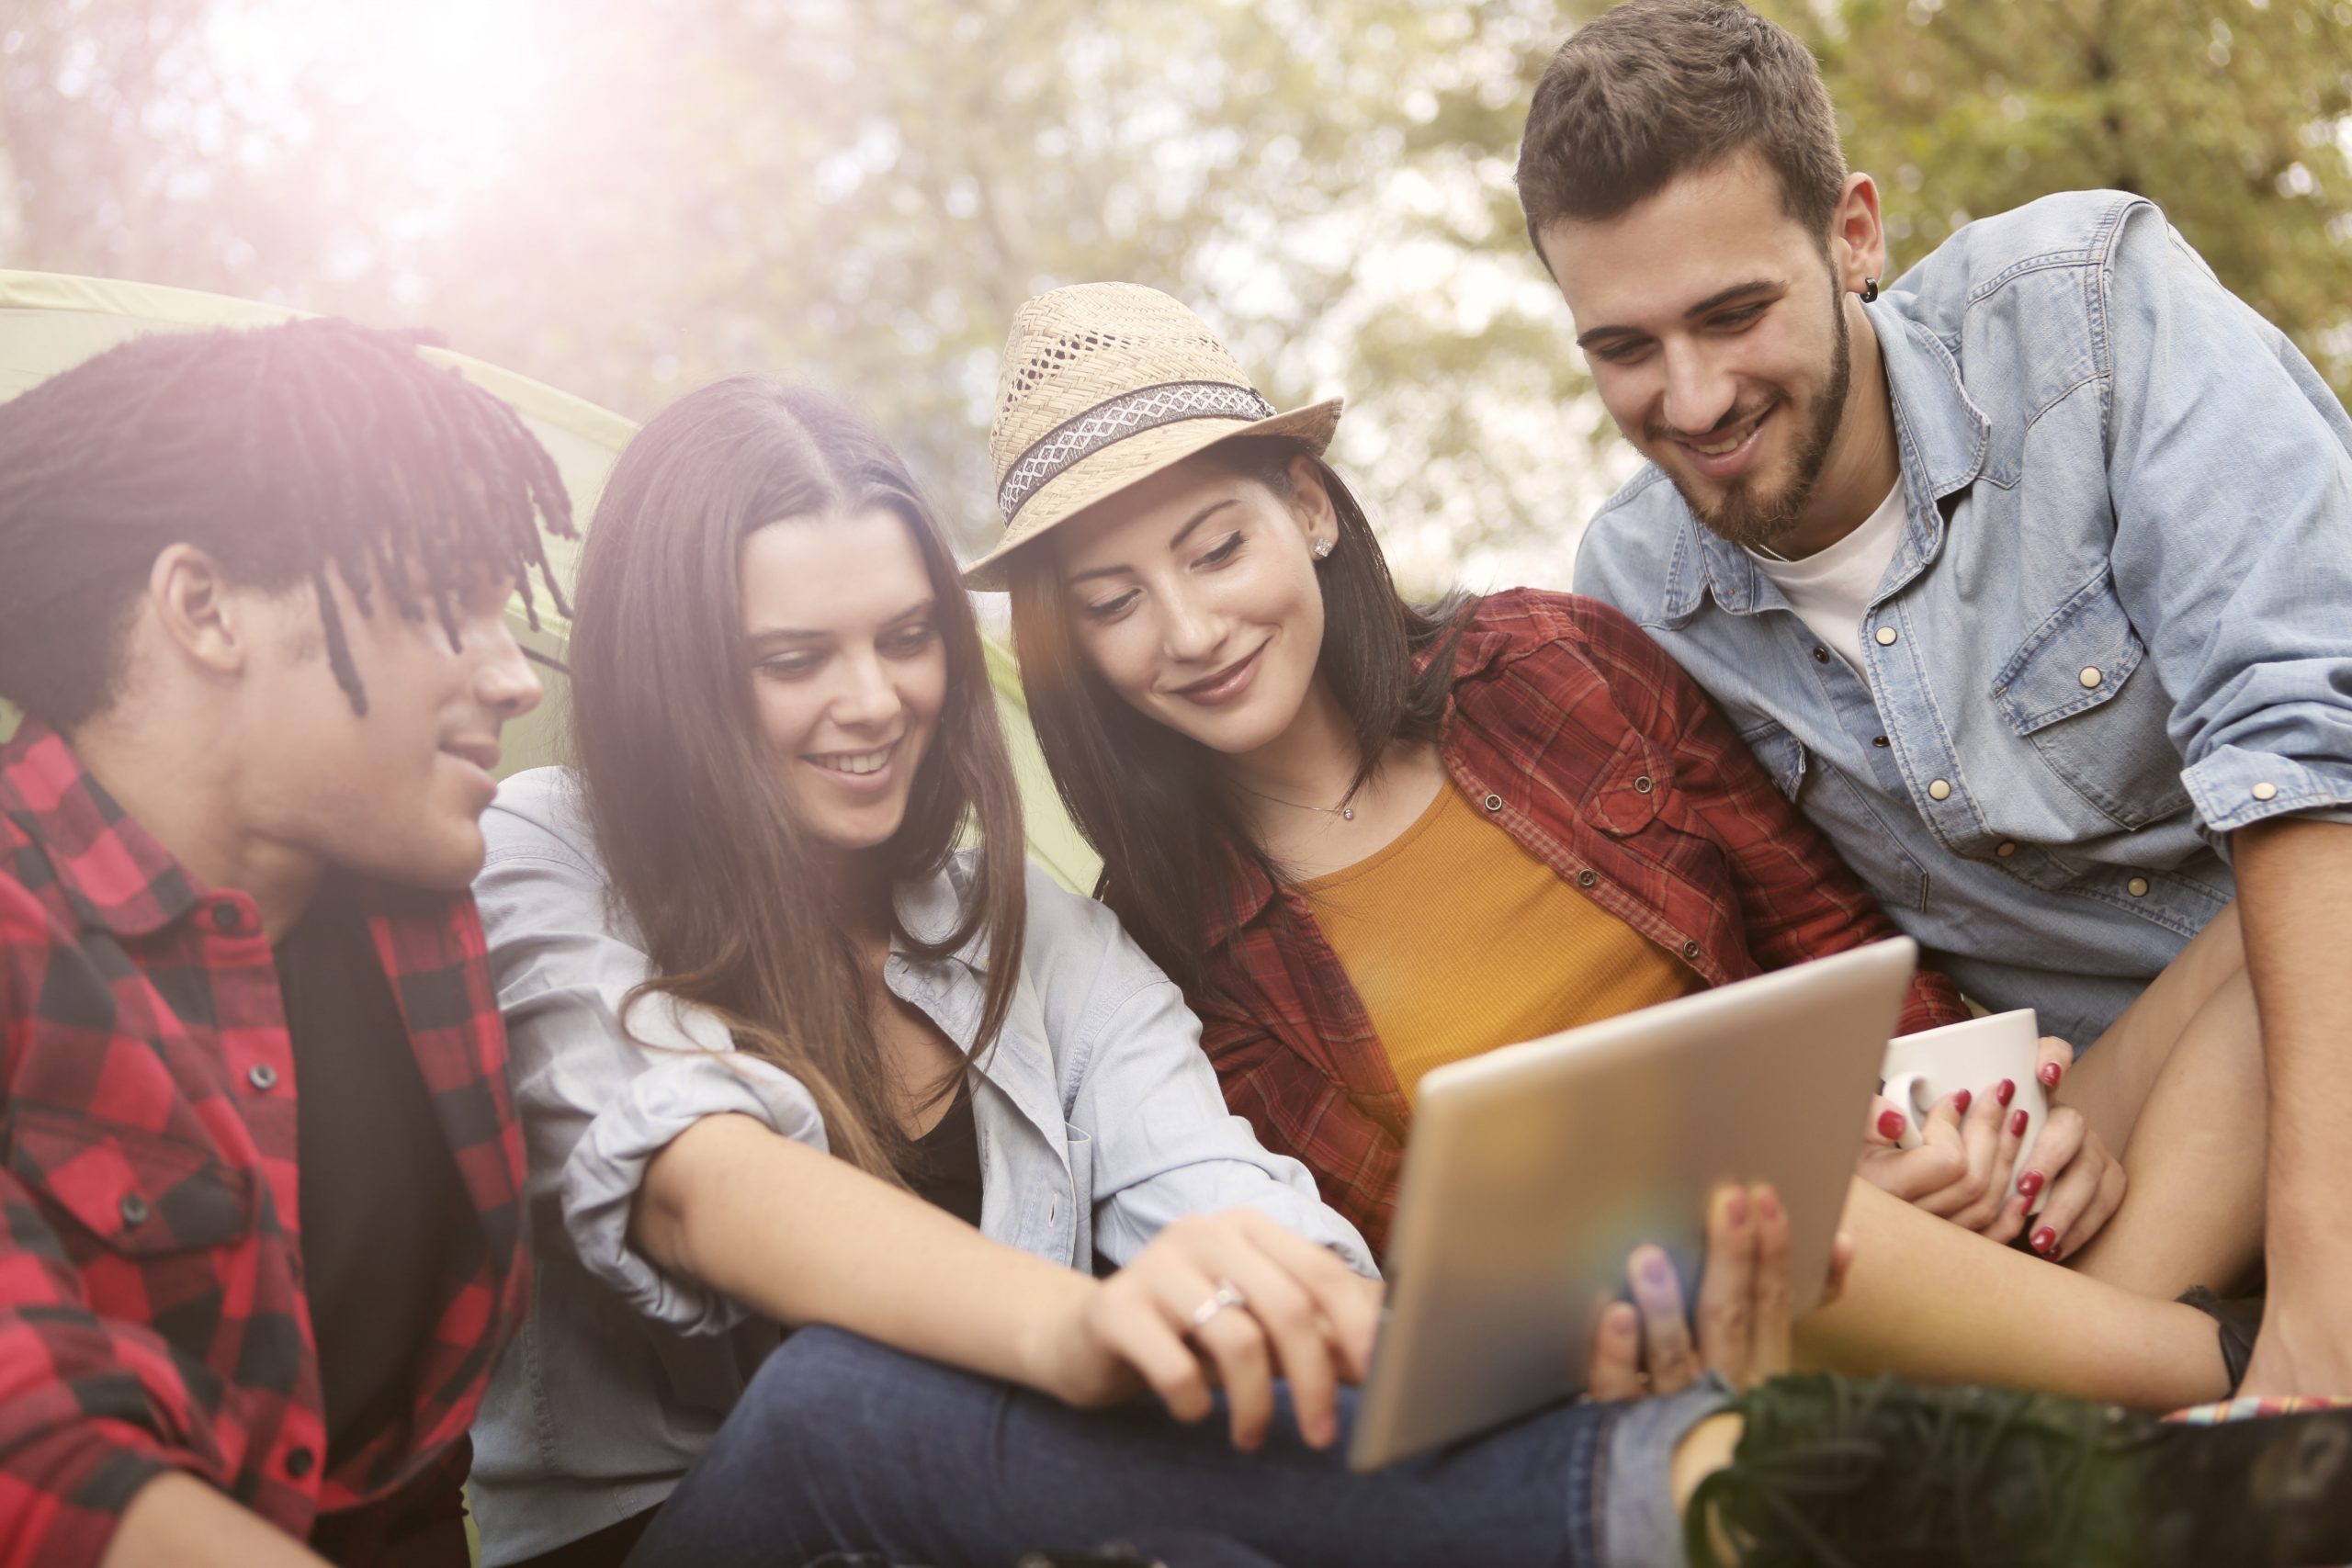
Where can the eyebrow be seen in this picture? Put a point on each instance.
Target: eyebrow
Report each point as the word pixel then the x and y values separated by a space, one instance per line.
pixel 768 635
pixel 1714 301
pixel 1176 543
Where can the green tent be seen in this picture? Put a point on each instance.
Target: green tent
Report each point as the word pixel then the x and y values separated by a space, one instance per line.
pixel 50 323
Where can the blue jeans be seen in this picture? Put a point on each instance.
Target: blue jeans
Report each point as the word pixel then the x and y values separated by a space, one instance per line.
pixel 842 1446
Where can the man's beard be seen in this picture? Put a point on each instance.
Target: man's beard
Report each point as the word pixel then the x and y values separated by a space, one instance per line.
pixel 1753 520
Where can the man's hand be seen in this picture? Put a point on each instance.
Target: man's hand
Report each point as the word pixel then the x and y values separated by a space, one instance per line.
pixel 1648 1346
pixel 1229 1299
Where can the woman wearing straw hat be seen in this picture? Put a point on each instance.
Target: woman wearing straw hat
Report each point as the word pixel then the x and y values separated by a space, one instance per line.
pixel 1368 838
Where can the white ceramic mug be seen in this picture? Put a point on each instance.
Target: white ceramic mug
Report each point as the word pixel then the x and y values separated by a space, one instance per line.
pixel 1922 1070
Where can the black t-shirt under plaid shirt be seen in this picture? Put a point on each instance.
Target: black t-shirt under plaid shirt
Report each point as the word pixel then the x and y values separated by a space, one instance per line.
pixel 381 1202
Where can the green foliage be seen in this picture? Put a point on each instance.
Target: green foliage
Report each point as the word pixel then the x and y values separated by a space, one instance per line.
pixel 859 192
pixel 2231 116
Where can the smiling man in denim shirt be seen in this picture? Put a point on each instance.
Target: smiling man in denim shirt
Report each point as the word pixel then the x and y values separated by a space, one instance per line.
pixel 2030 580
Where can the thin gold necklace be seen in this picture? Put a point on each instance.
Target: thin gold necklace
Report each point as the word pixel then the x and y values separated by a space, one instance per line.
pixel 1343 811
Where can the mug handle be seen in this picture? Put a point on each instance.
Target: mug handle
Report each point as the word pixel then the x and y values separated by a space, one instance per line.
pixel 1903 1090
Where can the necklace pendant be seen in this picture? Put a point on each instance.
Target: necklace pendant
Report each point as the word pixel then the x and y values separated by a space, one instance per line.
pixel 1346 814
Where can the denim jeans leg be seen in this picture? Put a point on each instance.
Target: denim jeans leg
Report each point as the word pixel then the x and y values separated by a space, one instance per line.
pixel 841 1445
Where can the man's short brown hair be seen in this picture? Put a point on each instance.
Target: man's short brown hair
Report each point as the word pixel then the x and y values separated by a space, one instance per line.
pixel 1660 88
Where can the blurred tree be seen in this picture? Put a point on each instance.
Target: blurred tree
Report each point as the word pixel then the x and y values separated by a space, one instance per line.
pixel 859 192
pixel 2232 115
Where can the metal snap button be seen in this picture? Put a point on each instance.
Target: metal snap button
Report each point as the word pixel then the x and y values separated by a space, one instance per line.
pixel 1939 790
pixel 1820 655
pixel 2266 790
pixel 134 1210
pixel 1586 879
pixel 1690 949
pixel 1643 786
pixel 2091 677
pixel 1886 637
pixel 1493 803
pixel 1880 740
pixel 2137 887
pixel 298 1463
pixel 2005 849
pixel 262 1075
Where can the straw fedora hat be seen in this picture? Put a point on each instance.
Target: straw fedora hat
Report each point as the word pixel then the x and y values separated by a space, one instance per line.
pixel 1106 384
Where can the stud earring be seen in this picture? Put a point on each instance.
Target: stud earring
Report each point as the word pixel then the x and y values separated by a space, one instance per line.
pixel 1870 290
pixel 1323 550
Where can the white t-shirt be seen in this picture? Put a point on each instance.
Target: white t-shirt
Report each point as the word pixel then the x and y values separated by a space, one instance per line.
pixel 1830 589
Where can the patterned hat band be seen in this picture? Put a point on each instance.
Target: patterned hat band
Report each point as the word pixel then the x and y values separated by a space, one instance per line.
pixel 1075 440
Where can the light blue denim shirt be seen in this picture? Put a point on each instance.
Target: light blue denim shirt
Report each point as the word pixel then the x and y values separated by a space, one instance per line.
pixel 2117 628
pixel 1099 1120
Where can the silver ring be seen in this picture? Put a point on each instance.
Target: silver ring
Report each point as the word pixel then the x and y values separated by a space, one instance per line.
pixel 1227 1294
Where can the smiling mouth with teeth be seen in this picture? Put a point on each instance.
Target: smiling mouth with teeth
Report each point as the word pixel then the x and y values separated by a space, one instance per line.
pixel 855 761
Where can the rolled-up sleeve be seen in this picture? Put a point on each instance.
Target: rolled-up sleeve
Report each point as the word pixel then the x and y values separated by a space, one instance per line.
pixel 1164 1142
pixel 2230 471
pixel 605 1084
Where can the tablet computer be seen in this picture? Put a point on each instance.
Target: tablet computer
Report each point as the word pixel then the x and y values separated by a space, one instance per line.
pixel 1536 1169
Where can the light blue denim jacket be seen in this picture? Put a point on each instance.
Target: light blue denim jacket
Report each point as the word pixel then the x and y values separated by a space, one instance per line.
pixel 1099 1120
pixel 2117 628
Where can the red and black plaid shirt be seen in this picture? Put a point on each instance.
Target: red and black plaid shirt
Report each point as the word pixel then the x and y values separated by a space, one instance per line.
pixel 1582 739
pixel 151 1312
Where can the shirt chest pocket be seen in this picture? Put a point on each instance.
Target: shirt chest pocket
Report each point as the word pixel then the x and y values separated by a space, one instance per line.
pixel 2075 692
pixel 130 1193
pixel 1626 793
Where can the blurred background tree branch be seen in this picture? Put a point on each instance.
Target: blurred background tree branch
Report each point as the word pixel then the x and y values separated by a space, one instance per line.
pixel 626 198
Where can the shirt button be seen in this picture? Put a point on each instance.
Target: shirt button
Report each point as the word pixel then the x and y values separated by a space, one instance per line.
pixel 1643 786
pixel 2005 849
pixel 134 1210
pixel 299 1461
pixel 1939 790
pixel 1494 803
pixel 263 1077
pixel 2137 887
pixel 1586 879
pixel 2091 677
pixel 2266 790
pixel 1878 741
pixel 1690 949
pixel 1820 654
pixel 1886 637
pixel 227 919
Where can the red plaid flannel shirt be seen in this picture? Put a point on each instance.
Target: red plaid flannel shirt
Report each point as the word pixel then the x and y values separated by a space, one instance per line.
pixel 1588 744
pixel 152 1311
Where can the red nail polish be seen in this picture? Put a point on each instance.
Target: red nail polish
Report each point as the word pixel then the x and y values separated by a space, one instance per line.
pixel 2051 1073
pixel 2006 1092
pixel 2030 1182
pixel 1959 1101
pixel 1890 1124
pixel 2018 1119
pixel 2045 1240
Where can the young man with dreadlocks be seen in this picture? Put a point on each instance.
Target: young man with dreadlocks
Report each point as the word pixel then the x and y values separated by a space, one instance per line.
pixel 260 1235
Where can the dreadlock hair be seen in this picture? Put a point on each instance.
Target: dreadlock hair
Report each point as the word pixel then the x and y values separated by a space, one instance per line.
pixel 279 451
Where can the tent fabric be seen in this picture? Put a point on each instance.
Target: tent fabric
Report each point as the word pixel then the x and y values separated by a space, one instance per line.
pixel 50 323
